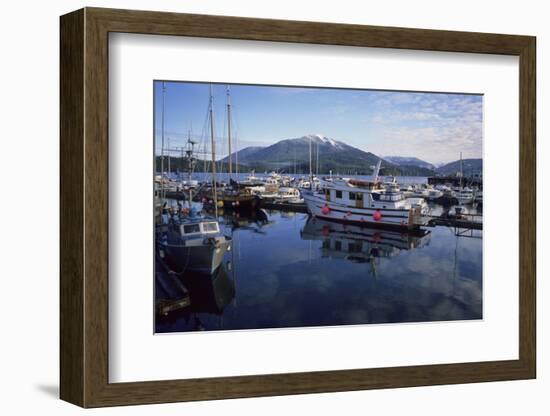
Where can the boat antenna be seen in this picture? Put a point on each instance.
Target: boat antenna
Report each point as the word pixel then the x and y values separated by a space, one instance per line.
pixel 377 170
pixel 213 144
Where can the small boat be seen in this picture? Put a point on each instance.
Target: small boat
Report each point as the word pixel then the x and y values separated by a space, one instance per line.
pixel 433 193
pixel 186 240
pixel 289 195
pixel 238 199
pixel 232 196
pixel 191 242
pixel 251 181
pixel 464 196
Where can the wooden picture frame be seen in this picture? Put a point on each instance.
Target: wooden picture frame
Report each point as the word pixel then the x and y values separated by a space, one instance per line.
pixel 84 207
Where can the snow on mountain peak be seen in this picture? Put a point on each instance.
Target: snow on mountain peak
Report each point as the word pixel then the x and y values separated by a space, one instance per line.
pixel 319 138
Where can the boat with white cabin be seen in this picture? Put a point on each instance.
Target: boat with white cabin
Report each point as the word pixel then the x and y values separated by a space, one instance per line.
pixel 366 202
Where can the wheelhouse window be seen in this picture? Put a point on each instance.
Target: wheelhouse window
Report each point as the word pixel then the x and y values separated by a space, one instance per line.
pixel 391 196
pixel 339 194
pixel 352 196
pixel 191 228
pixel 210 227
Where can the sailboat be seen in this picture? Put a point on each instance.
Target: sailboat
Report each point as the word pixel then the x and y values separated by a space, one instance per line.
pixel 188 240
pixel 235 197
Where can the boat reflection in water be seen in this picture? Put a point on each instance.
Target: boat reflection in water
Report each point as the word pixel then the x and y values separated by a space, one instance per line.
pixel 192 298
pixel 361 244
pixel 293 271
pixel 253 220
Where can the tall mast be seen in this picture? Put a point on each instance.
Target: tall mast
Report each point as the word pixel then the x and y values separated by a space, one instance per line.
pixel 162 146
pixel 213 144
pixel 310 171
pixel 461 170
pixel 229 132
pixel 317 162
pixel 169 170
pixel 189 173
pixel 191 161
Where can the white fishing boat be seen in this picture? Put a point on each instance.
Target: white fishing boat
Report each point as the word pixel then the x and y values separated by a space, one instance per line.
pixel 365 202
pixel 309 184
pixel 464 195
pixel 289 195
pixel 251 181
pixel 433 193
pixel 186 240
pixel 420 191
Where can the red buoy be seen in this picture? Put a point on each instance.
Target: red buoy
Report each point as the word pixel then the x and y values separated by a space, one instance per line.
pixel 325 210
pixel 377 216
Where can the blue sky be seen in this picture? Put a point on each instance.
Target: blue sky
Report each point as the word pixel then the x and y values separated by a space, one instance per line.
pixel 431 126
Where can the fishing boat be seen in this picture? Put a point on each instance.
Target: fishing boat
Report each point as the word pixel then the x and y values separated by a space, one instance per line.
pixel 433 194
pixel 464 195
pixel 251 181
pixel 238 199
pixel 289 195
pixel 186 239
pixel 366 202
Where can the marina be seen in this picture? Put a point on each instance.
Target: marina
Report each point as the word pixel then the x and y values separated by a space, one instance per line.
pixel 252 284
pixel 328 235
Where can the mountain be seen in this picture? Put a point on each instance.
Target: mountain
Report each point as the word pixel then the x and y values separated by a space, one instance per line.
pixel 409 161
pixel 243 154
pixel 470 167
pixel 289 155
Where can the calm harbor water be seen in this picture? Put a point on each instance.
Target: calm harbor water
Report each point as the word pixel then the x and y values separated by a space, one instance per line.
pixel 286 271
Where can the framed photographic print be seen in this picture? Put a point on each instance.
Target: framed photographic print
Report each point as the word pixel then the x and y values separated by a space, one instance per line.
pixel 255 207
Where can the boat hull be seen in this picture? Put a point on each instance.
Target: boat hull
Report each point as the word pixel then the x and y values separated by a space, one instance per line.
pixel 205 258
pixel 373 217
